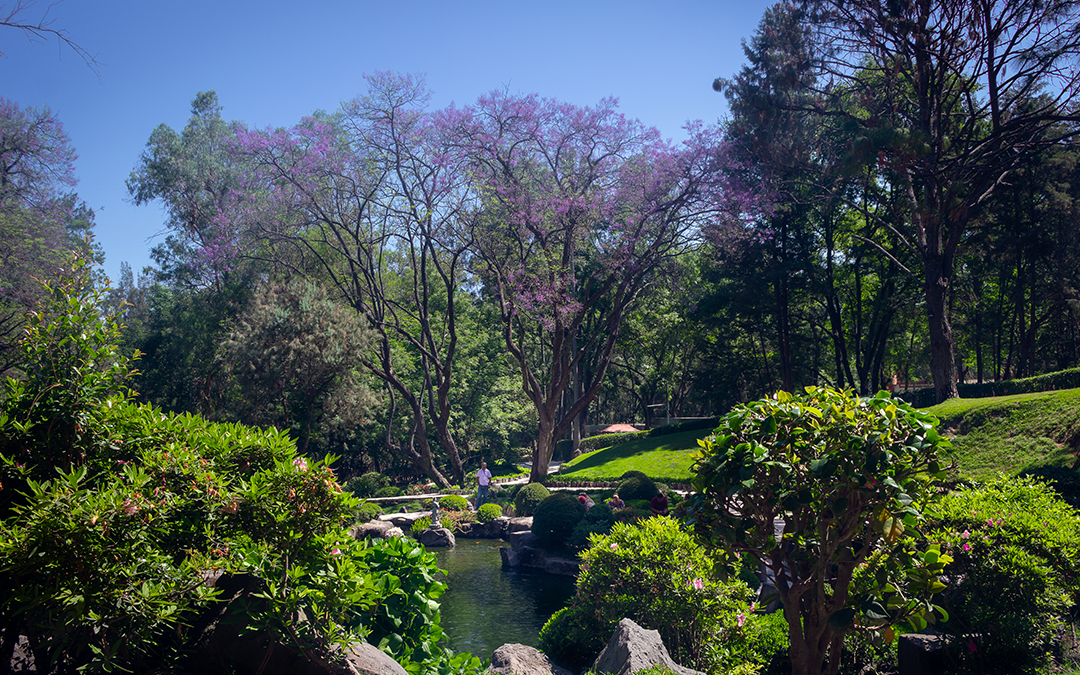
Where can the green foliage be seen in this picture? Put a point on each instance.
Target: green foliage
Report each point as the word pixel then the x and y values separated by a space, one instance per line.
pixel 608 440
pixel 454 503
pixel 1062 379
pixel 1064 480
pixel 529 497
pixel 419 525
pixel 106 560
pixel 488 512
pixel 632 514
pixel 598 520
pixel 555 519
pixel 366 485
pixel 657 575
pixel 457 521
pixel 849 477
pixel 637 488
pixel 1010 434
pixel 388 491
pixel 367 512
pixel 1016 574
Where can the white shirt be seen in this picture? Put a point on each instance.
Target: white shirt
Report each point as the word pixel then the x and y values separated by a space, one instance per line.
pixel 484 476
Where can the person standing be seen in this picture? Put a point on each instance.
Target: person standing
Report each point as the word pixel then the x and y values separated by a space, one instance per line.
pixel 483 477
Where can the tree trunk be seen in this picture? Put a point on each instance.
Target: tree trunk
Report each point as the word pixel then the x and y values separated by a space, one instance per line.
pixel 942 363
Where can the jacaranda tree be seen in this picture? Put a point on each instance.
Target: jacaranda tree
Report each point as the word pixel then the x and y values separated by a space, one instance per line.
pixel 582 206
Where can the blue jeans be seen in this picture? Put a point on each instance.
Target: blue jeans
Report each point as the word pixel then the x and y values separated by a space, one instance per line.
pixel 481 496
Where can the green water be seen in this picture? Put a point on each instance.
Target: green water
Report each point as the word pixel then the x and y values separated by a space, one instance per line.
pixel 487 606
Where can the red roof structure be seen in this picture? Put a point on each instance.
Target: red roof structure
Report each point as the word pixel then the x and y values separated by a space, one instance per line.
pixel 617 429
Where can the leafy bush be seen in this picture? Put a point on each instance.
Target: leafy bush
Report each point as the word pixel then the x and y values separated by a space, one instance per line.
pixel 847 476
pixel 454 503
pixel 388 491
pixel 555 519
pixel 632 473
pixel 367 485
pixel 1016 573
pixel 105 561
pixel 368 511
pixel 1062 379
pixel 657 575
pixel 598 520
pixel 419 525
pixel 632 514
pixel 458 522
pixel 529 497
pixel 488 512
pixel 637 488
pixel 608 440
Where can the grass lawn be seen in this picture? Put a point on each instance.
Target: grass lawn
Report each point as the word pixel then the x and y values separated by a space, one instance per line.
pixel 666 459
pixel 1008 434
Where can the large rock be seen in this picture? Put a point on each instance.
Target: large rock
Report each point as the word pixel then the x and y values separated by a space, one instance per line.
pixel 375 529
pixel 515 659
pixel 437 536
pixel 521 539
pixel 633 648
pixel 496 529
pixel 519 524
pixel 365 659
pixel 920 654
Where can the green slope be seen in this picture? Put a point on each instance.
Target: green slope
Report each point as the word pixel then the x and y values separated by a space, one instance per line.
pixel 666 459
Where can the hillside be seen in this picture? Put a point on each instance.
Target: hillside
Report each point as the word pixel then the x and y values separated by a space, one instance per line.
pixel 1012 434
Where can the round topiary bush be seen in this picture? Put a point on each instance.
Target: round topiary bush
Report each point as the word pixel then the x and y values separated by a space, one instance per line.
pixel 598 520
pixel 529 497
pixel 368 512
pixel 488 512
pixel 637 487
pixel 388 491
pixel 454 503
pixel 632 473
pixel 555 519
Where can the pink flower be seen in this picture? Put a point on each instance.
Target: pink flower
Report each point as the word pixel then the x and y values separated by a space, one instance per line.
pixel 699 584
pixel 740 619
pixel 966 546
pixel 335 551
pixel 972 647
pixel 614 547
pixel 965 534
pixel 300 463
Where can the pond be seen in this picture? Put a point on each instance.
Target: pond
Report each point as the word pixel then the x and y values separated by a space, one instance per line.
pixel 487 606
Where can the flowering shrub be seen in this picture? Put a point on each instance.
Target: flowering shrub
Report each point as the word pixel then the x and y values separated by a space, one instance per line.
pixel 1016 573
pixel 655 574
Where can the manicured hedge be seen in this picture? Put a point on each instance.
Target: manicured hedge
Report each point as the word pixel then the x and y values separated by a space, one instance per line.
pixel 1063 379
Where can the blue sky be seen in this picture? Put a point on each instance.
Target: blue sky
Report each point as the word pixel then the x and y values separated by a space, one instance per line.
pixel 273 62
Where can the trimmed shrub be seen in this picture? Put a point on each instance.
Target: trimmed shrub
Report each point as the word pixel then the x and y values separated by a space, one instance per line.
pixel 632 514
pixel 555 519
pixel 1063 379
pixel 1016 573
pixel 454 503
pixel 690 425
pixel 637 487
pixel 529 497
pixel 632 473
pixel 598 520
pixel 388 491
pixel 608 440
pixel 657 575
pixel 488 512
pixel 368 511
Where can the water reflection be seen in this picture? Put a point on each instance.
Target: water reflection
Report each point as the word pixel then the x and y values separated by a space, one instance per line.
pixel 487 606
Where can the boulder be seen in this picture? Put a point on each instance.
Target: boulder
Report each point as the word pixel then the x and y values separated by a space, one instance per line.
pixel 633 648
pixel 567 568
pixel 522 539
pixel 509 557
pixel 437 536
pixel 496 529
pixel 374 529
pixel 515 659
pixel 365 659
pixel 520 524
pixel 920 654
